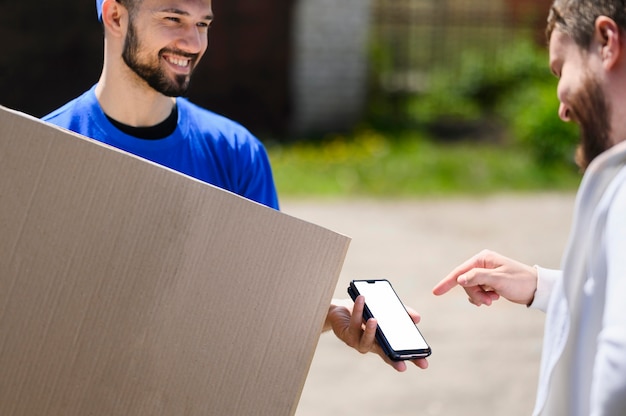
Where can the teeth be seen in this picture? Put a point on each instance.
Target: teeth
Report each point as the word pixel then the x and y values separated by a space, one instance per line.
pixel 179 62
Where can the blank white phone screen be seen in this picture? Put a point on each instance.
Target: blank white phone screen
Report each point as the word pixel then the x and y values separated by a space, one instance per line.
pixel 392 317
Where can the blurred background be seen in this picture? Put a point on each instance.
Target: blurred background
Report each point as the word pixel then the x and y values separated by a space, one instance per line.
pixel 348 91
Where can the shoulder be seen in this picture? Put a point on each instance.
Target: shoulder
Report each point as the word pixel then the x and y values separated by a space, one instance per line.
pixel 211 124
pixel 68 113
pixel 617 196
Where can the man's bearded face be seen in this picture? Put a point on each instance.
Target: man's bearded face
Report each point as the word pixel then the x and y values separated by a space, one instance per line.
pixel 590 111
pixel 151 70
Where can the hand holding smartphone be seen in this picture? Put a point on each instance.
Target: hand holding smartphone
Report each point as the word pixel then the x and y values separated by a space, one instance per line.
pixel 397 334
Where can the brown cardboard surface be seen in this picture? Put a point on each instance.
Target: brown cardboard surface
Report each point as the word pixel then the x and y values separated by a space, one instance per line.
pixel 129 289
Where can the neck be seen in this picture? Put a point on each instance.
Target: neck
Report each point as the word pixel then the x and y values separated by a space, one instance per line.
pixel 130 100
pixel 615 91
pixel 618 115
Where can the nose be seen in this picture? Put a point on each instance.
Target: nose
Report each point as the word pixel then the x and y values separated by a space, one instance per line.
pixel 564 113
pixel 192 40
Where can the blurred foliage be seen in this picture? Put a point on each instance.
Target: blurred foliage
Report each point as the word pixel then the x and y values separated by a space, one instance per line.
pixel 489 124
pixel 511 89
pixel 409 164
pixel 533 121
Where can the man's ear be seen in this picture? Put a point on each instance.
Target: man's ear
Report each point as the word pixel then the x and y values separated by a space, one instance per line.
pixel 114 17
pixel 609 38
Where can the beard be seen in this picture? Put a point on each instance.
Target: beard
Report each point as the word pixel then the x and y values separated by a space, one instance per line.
pixel 590 110
pixel 151 72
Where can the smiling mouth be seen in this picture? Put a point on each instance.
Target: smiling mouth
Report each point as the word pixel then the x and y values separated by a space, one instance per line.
pixel 182 63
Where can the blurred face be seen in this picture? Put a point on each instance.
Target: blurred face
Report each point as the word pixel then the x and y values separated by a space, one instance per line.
pixel 581 95
pixel 165 40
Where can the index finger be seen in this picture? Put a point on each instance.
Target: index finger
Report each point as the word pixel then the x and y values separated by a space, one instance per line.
pixel 451 280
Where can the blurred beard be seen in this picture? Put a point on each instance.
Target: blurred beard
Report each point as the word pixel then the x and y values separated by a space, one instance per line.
pixel 590 111
pixel 152 73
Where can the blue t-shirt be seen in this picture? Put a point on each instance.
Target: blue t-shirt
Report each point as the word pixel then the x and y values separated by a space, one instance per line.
pixel 204 145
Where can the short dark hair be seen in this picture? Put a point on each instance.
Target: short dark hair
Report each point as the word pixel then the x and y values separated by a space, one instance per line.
pixel 131 6
pixel 577 18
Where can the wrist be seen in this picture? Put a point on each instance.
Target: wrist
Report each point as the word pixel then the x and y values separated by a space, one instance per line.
pixel 535 273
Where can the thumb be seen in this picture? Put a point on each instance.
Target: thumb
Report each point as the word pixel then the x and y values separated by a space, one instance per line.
pixel 477 277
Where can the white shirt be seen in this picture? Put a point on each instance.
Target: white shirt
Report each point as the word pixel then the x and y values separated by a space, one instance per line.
pixel 583 366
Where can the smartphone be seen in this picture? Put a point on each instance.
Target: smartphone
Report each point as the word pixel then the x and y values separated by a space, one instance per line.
pixel 397 334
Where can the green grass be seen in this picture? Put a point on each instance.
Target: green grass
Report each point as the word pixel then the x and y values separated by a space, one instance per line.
pixel 410 165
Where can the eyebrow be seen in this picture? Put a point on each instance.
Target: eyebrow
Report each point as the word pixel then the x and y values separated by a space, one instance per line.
pixel 184 13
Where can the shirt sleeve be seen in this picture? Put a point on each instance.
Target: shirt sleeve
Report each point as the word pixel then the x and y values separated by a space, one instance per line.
pixel 257 183
pixel 546 279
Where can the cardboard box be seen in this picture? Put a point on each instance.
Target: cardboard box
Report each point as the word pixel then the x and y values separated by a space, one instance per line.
pixel 130 289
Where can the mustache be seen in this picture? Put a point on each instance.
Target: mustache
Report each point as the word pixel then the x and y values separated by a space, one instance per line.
pixel 193 56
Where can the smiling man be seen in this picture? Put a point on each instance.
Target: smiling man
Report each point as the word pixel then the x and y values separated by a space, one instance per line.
pixel 151 48
pixel 583 368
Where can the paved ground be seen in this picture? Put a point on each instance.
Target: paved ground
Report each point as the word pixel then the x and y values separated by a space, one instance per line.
pixel 485 360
